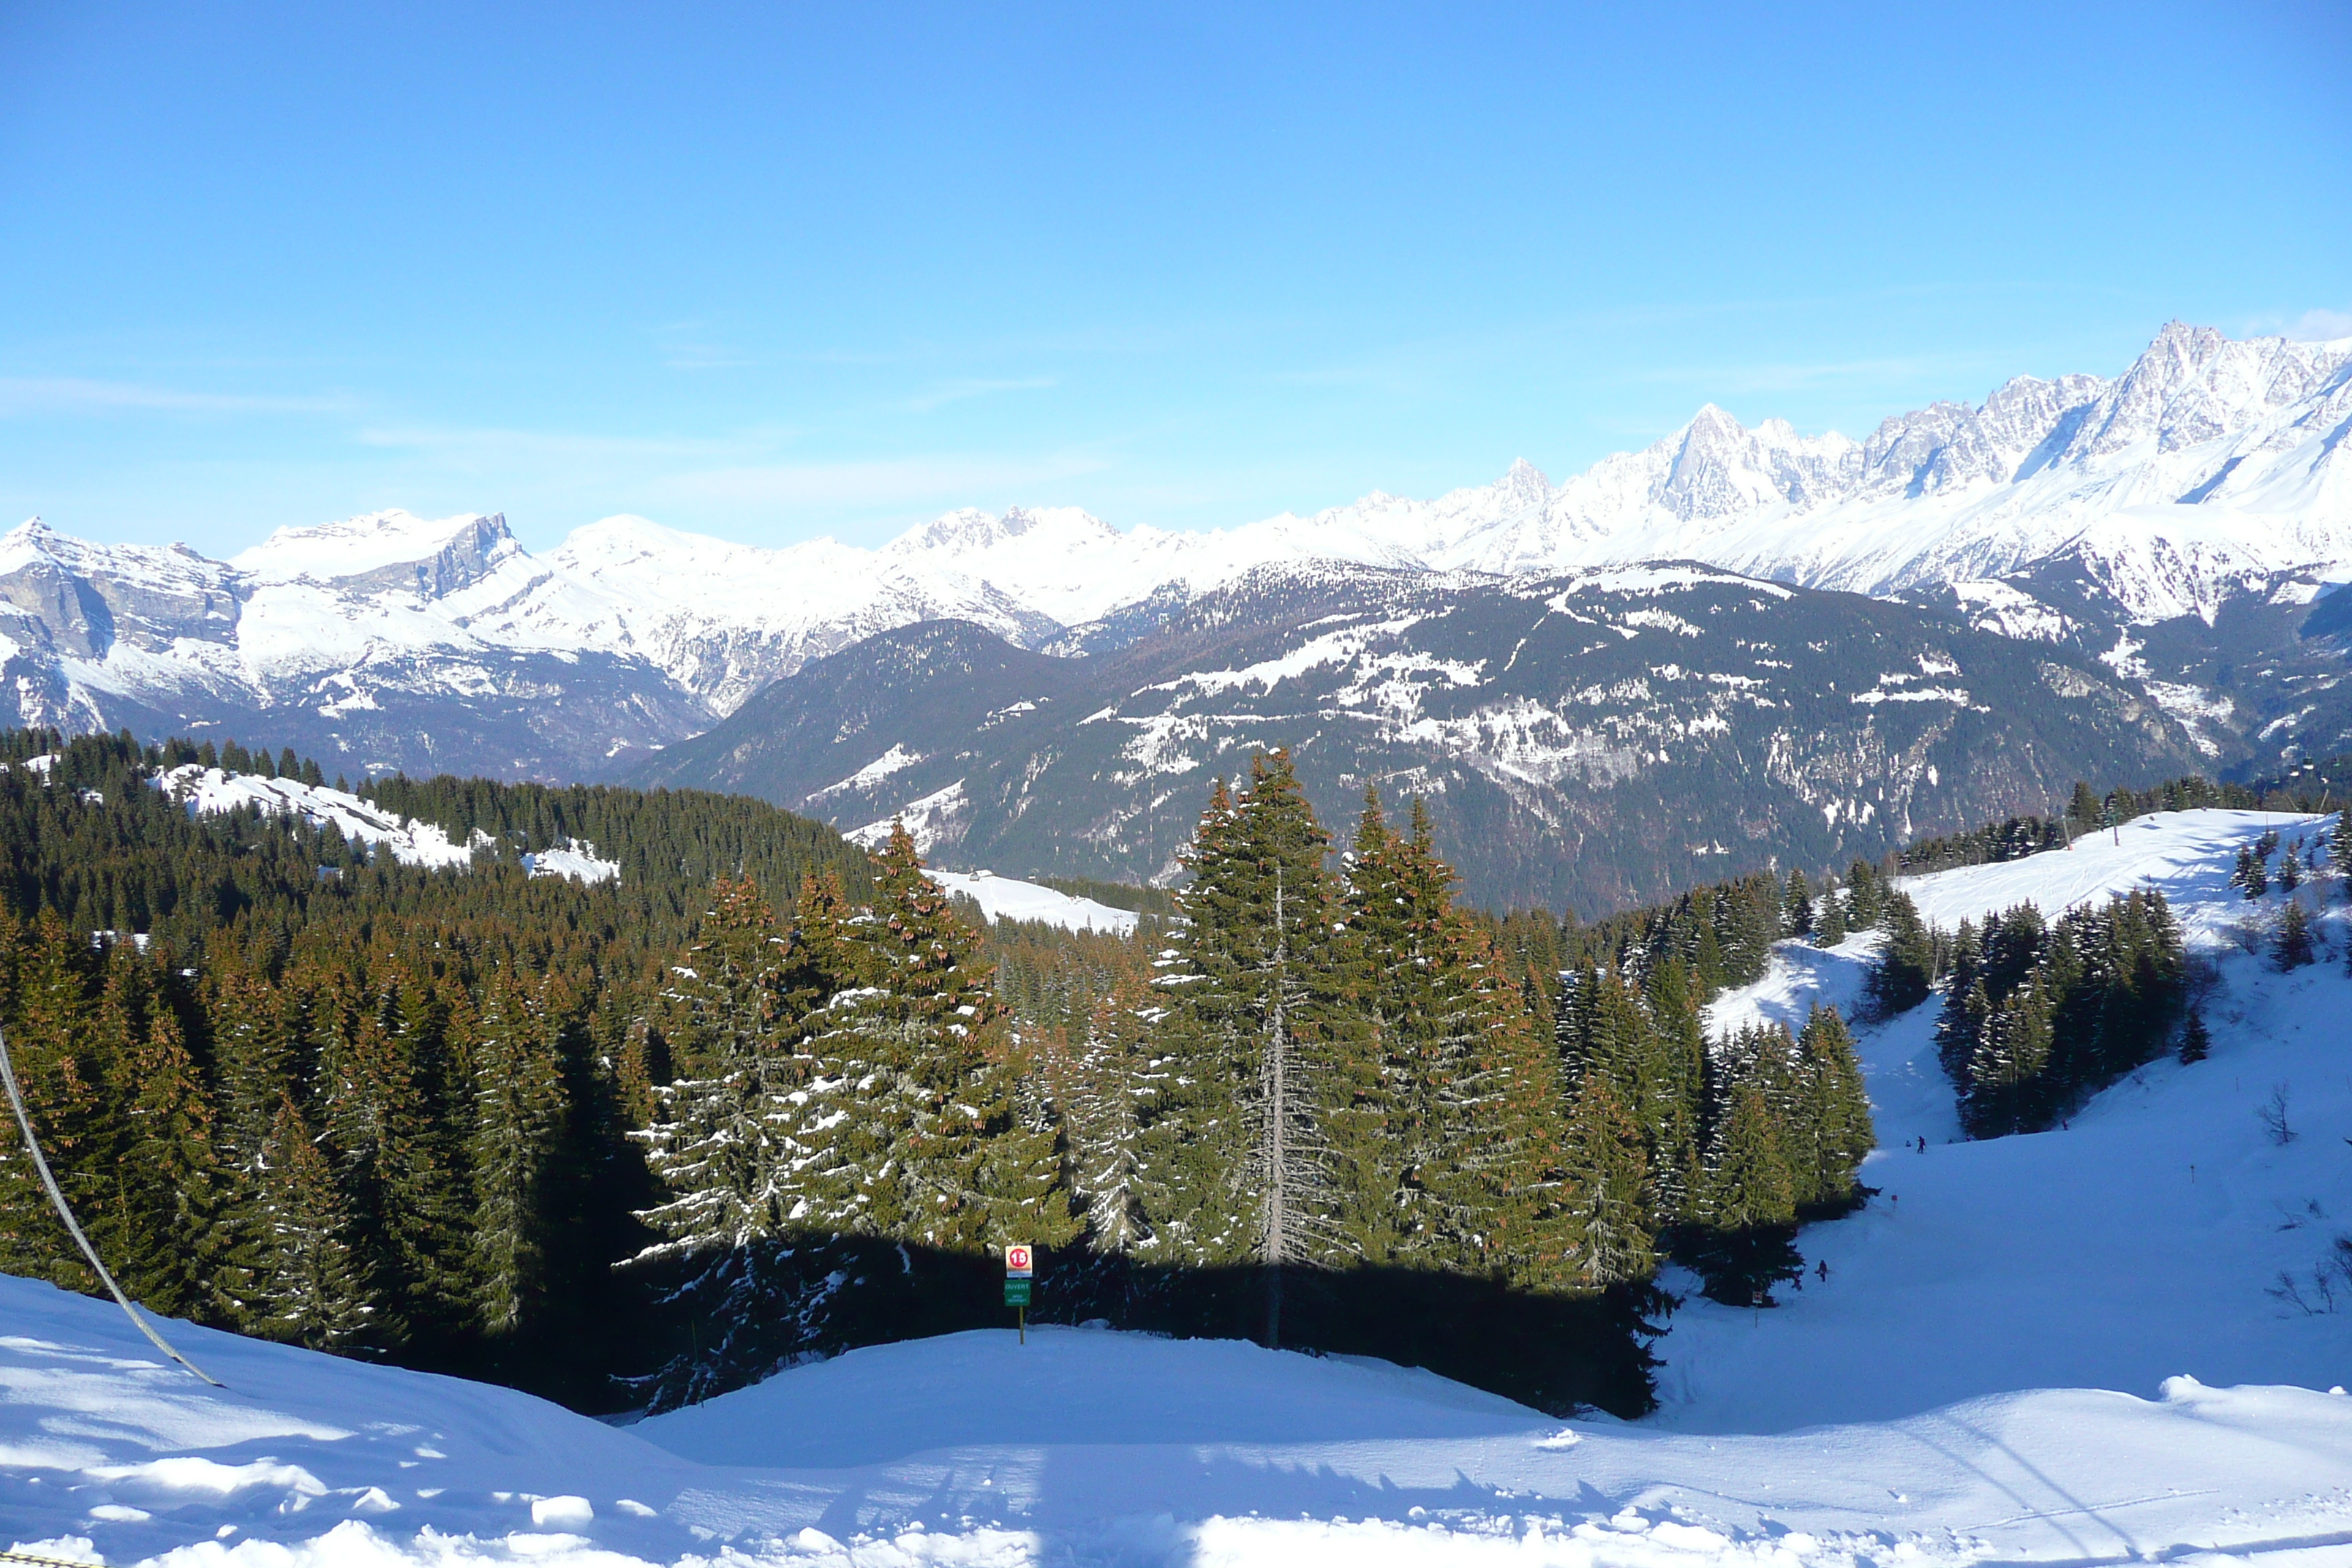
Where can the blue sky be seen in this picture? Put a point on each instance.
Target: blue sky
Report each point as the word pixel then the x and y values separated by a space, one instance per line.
pixel 773 272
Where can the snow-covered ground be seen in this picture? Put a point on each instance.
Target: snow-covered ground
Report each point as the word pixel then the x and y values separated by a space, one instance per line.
pixel 2021 1354
pixel 1007 897
pixel 1094 1448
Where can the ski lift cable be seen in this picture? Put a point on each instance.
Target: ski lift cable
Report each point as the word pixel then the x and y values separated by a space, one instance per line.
pixel 65 1212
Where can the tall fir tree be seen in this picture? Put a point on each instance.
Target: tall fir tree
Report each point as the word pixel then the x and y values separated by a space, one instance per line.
pixel 519 1108
pixel 314 1290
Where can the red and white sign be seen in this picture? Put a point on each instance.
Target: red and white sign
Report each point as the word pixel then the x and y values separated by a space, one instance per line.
pixel 1016 1261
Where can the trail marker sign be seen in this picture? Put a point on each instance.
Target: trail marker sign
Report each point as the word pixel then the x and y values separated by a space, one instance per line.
pixel 1019 1266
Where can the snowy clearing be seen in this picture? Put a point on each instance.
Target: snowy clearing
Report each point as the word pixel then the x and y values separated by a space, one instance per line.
pixel 1007 897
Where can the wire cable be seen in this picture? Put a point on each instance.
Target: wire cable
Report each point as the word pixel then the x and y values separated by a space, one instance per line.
pixel 65 1212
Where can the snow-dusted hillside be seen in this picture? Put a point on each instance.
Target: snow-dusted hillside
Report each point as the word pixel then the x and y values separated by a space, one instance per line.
pixel 405 839
pixel 2146 1238
pixel 2211 471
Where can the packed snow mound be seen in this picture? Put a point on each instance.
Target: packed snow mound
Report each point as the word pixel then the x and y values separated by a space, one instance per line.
pixel 1087 1448
pixel 2165 1229
pixel 1009 899
pixel 405 839
pixel 1073 1387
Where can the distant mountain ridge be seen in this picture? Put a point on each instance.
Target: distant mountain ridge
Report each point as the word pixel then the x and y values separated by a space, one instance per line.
pixel 2211 477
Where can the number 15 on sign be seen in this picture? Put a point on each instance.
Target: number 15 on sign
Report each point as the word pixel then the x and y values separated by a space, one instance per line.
pixel 1019 1269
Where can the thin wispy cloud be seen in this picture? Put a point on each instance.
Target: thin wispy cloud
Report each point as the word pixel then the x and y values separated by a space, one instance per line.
pixel 24 396
pixel 940 396
pixel 2321 326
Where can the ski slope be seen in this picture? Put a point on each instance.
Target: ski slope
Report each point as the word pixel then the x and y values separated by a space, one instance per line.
pixel 2140 1242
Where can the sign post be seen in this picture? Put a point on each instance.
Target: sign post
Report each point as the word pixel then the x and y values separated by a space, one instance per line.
pixel 1018 1272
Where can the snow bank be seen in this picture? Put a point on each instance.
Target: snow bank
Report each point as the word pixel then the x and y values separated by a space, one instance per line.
pixel 1006 897
pixel 1094 1448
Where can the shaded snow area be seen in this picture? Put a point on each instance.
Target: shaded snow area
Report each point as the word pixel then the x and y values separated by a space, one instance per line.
pixel 1095 1447
pixel 405 839
pixel 2143 1240
pixel 1006 897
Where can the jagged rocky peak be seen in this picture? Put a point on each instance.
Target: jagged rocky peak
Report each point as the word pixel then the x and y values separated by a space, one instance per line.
pixel 1720 468
pixel 385 550
pixel 1523 487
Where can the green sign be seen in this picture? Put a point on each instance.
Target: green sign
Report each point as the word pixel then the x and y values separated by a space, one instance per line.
pixel 1016 1292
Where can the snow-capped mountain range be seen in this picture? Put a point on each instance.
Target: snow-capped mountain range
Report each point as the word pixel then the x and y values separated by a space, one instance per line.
pixel 2212 470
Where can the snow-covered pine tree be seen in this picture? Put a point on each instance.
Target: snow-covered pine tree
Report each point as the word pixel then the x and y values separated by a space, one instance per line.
pixel 907 1126
pixel 1797 907
pixel 1469 1108
pixel 1100 1081
pixel 1239 1159
pixel 1830 916
pixel 1749 1205
pixel 717 1143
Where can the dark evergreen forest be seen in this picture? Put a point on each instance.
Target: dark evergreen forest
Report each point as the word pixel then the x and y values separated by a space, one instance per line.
pixel 765 1096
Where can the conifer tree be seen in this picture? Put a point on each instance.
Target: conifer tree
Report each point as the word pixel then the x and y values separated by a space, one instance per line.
pixel 1797 907
pixel 2292 948
pixel 1751 1203
pixel 173 1263
pixel 1903 975
pixel 1829 917
pixel 518 1113
pixel 1463 1116
pixel 1100 1084
pixel 1606 1172
pixel 51 1041
pixel 1833 1129
pixel 910 1119
pixel 2196 1040
pixel 2339 844
pixel 313 1289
